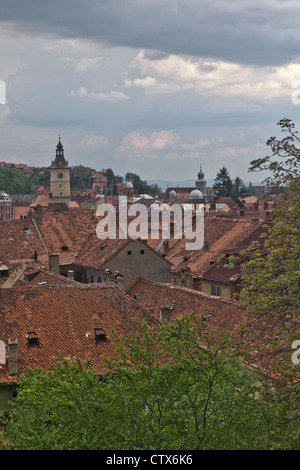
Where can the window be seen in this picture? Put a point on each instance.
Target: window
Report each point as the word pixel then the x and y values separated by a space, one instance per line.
pixel 100 335
pixel 216 290
pixel 33 339
pixel 142 252
pixel 129 252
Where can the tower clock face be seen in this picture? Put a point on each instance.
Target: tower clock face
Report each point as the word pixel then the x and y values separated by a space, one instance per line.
pixel 60 175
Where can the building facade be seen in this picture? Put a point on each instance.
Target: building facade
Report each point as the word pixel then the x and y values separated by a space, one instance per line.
pixel 6 207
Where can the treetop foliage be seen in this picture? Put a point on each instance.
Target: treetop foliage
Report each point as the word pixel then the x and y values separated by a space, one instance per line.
pixel 176 387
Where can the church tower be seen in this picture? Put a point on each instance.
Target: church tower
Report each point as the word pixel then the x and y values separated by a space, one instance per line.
pixel 60 177
pixel 201 182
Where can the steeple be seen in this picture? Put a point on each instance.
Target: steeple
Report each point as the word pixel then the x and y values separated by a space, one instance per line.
pixel 60 177
pixel 201 175
pixel 59 161
pixel 201 182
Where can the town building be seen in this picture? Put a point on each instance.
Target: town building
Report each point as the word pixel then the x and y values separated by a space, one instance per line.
pixel 6 206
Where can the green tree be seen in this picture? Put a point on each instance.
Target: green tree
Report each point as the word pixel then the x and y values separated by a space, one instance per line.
pixel 80 177
pixel 239 191
pixel 250 190
pixel 58 409
pixel 284 162
pixel 141 186
pixel 40 177
pixel 272 281
pixel 14 181
pixel 271 278
pixel 223 184
pixel 112 180
pixel 180 386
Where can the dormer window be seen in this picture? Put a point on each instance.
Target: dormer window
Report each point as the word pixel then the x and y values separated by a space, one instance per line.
pixel 33 339
pixel 100 335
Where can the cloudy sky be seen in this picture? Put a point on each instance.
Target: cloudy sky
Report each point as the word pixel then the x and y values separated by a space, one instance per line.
pixel 155 87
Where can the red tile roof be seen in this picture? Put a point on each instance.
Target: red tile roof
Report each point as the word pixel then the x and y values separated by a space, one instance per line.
pixel 64 319
pixel 219 272
pixel 223 313
pixel 219 234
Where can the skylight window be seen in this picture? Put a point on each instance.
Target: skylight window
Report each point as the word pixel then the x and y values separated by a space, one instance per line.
pixel 100 335
pixel 33 339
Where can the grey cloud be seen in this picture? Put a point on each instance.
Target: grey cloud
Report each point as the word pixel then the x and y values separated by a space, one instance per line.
pixel 245 32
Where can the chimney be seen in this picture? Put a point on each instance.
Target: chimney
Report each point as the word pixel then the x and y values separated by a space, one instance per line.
pixel 38 214
pixel 164 314
pixel 166 246
pixel 71 275
pixel 13 367
pixel 54 263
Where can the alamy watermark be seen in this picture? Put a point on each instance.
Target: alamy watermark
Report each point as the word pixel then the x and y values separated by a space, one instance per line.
pixel 2 92
pixel 296 354
pixel 159 222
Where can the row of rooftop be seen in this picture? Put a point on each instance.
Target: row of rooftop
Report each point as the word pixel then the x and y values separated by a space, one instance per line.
pixel 63 291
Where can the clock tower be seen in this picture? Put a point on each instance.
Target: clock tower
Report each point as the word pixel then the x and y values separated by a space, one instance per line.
pixel 60 177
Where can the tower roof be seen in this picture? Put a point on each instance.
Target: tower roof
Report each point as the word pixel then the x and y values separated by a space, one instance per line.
pixel 201 175
pixel 59 161
pixel 196 195
pixel 59 145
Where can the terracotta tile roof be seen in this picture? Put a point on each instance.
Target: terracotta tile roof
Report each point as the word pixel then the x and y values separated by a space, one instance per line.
pixel 64 319
pixel 92 200
pixel 19 240
pixel 219 234
pixel 223 316
pixel 42 277
pixel 95 252
pixel 222 313
pixel 228 201
pixel 219 273
pixel 67 228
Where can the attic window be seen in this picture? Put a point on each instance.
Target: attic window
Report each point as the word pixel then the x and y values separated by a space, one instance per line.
pixel 142 252
pixel 129 252
pixel 64 248
pixel 100 335
pixel 33 339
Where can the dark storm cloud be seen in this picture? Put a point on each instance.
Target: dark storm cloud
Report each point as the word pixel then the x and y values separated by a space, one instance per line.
pixel 246 31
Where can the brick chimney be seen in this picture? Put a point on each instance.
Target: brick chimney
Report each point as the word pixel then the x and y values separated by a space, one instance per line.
pixel 54 263
pixel 13 367
pixel 38 214
pixel 164 314
pixel 71 275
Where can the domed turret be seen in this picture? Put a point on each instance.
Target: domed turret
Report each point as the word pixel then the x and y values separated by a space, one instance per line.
pixel 172 196
pixel 129 190
pixel 196 195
